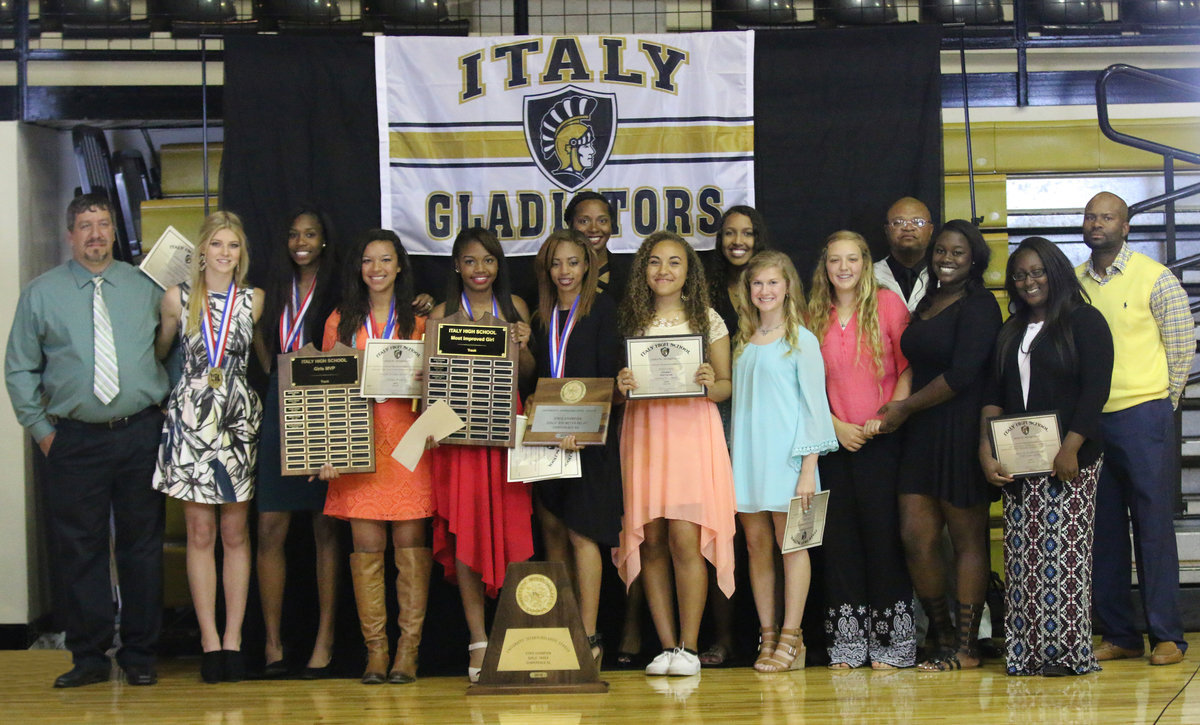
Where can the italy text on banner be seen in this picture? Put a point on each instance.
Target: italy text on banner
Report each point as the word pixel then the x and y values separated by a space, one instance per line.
pixel 501 132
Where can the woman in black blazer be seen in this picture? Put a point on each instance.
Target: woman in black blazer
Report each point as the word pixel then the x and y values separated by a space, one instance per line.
pixel 1054 354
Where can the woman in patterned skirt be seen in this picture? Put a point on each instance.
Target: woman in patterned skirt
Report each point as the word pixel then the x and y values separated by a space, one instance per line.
pixel 210 437
pixel 1054 354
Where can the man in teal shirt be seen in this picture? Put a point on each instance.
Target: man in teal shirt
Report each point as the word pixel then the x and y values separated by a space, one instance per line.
pixel 89 394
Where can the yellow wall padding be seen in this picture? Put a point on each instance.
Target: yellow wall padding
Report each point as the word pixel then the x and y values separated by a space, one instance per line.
pixel 182 172
pixel 991 199
pixel 1063 146
pixel 185 214
pixel 998 263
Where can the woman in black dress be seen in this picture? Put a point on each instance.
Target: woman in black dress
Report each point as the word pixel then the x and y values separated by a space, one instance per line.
pixel 300 293
pixel 1055 354
pixel 593 215
pixel 579 340
pixel 949 344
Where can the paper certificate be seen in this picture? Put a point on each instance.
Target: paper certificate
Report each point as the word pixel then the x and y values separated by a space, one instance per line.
pixel 805 529
pixel 1025 445
pixel 665 366
pixel 539 463
pixel 169 261
pixel 390 368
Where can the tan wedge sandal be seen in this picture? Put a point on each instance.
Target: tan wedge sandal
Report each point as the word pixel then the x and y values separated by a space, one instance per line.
pixel 788 654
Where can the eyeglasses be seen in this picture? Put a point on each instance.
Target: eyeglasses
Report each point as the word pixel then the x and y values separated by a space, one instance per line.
pixel 899 223
pixel 1033 274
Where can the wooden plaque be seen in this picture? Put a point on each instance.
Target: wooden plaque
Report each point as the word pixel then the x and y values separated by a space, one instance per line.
pixel 570 406
pixel 471 365
pixel 322 418
pixel 537 643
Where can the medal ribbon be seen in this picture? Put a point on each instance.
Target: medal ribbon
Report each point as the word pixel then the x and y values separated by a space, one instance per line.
pixel 215 340
pixel 466 305
pixel 291 329
pixel 558 347
pixel 369 323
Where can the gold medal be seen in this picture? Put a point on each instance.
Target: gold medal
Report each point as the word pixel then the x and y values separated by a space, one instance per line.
pixel 216 376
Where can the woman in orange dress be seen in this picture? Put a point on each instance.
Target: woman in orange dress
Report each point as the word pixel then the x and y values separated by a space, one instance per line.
pixel 377 303
pixel 678 482
pixel 483 522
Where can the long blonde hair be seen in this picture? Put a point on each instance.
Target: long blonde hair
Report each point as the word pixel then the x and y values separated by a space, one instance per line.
pixel 866 300
pixel 793 301
pixel 197 303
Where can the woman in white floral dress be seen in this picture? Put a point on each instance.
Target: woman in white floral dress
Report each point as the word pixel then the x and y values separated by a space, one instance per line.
pixel 208 452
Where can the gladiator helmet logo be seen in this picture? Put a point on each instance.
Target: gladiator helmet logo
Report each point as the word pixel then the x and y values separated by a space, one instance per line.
pixel 570 134
pixel 665 352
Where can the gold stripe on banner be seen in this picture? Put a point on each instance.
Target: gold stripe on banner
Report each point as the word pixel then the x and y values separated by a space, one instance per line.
pixel 631 141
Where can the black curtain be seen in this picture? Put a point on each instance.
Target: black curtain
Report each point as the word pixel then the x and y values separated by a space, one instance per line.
pixel 299 128
pixel 846 121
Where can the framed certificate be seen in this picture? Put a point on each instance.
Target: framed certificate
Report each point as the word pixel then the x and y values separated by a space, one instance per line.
pixel 665 366
pixel 1025 444
pixel 569 406
pixel 169 261
pixel 805 529
pixel 390 368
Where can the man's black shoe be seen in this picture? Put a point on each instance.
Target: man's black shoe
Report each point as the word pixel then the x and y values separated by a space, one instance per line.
pixel 80 676
pixel 140 675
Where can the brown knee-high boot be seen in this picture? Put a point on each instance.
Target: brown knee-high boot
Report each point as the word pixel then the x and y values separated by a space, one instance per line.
pixel 367 571
pixel 412 591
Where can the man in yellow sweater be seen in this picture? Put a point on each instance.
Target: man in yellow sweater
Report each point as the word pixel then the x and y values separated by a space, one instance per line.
pixel 1154 341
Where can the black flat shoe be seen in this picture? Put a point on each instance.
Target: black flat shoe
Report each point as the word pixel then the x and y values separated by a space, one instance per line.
pixel 233 668
pixel 276 670
pixel 80 676
pixel 210 667
pixel 140 675
pixel 318 673
pixel 1058 671
pixel 627 661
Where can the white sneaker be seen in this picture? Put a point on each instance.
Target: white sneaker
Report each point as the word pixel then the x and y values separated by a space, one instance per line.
pixel 661 665
pixel 684 664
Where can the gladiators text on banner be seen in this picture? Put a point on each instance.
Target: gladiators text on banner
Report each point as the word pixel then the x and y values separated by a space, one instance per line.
pixel 501 132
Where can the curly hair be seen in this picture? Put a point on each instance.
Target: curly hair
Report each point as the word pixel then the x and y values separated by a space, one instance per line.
pixel 547 290
pixel 793 302
pixel 866 300
pixel 197 304
pixel 637 309
pixel 356 300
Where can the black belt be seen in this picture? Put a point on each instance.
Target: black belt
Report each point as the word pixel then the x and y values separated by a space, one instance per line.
pixel 115 423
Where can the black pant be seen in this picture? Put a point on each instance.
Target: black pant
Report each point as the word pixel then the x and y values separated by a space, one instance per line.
pixel 868 594
pixel 90 472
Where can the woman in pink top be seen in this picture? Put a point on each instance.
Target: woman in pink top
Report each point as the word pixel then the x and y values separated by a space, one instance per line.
pixel 868 592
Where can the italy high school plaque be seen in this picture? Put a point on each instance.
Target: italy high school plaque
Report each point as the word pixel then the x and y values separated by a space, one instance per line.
pixel 471 365
pixel 322 417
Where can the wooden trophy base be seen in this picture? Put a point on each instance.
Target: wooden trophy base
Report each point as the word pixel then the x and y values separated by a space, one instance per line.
pixel 537 645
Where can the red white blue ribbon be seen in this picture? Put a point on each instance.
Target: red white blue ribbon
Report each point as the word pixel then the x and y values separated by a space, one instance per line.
pixel 466 305
pixel 291 327
pixel 558 344
pixel 388 329
pixel 215 340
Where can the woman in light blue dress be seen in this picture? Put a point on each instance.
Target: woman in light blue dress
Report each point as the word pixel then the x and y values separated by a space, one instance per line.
pixel 781 423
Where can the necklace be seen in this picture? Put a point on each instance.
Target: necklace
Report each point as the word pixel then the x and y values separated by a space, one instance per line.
pixel 664 321
pixel 773 328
